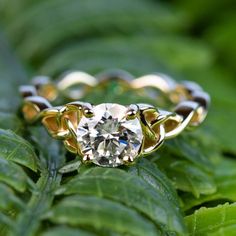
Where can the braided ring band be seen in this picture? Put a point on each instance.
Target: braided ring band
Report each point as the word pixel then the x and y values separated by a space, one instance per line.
pixel 111 134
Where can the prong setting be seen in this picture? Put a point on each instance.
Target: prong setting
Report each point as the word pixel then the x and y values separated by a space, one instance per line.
pixel 87 159
pixel 110 134
pixel 88 111
pixel 132 112
pixel 128 160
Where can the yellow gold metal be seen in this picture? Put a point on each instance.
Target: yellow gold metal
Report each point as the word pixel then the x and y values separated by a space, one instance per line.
pixel 128 160
pixel 49 92
pixel 30 111
pixel 157 125
pixel 86 159
pixel 75 84
pixel 152 127
pixel 158 81
pixel 45 88
pixel 132 112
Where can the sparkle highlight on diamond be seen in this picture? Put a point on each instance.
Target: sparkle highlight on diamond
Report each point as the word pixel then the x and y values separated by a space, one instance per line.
pixel 108 138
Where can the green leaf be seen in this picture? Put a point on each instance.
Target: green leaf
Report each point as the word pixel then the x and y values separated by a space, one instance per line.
pixel 221 111
pixel 8 200
pixel 97 213
pixel 63 230
pixel 221 35
pixel 130 190
pixel 228 230
pixel 225 179
pixel 151 197
pixel 51 157
pixel 12 174
pixel 189 148
pixel 208 221
pixel 190 178
pixel 15 148
pixel 12 74
pixel 125 17
pixel 150 53
pixel 10 121
pixel 149 172
pixel 5 224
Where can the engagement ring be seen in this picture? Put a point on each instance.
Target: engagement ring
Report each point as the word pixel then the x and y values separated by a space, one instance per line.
pixel 111 134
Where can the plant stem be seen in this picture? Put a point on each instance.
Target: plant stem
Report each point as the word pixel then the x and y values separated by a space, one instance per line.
pixel 41 200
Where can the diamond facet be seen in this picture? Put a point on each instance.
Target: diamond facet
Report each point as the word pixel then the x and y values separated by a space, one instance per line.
pixel 109 138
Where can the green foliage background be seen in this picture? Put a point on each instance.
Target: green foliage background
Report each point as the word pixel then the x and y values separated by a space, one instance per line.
pixel 188 187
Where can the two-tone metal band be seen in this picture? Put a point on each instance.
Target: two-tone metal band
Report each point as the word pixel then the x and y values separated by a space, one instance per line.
pixel 191 106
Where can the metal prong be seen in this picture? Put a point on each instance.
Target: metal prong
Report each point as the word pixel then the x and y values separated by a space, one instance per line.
pixel 71 128
pixel 128 160
pixel 88 110
pixel 132 112
pixel 87 159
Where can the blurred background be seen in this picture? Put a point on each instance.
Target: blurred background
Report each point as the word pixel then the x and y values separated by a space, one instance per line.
pixel 190 40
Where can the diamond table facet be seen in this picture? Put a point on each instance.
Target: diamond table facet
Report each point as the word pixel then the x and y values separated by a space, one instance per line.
pixel 108 138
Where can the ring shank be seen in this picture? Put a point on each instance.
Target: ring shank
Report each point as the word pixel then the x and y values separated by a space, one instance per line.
pixel 191 102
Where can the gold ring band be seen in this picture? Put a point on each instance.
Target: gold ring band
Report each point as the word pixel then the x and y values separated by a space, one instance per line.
pixel 112 134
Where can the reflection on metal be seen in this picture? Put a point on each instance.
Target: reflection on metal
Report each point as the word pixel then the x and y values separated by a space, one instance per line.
pixel 191 106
